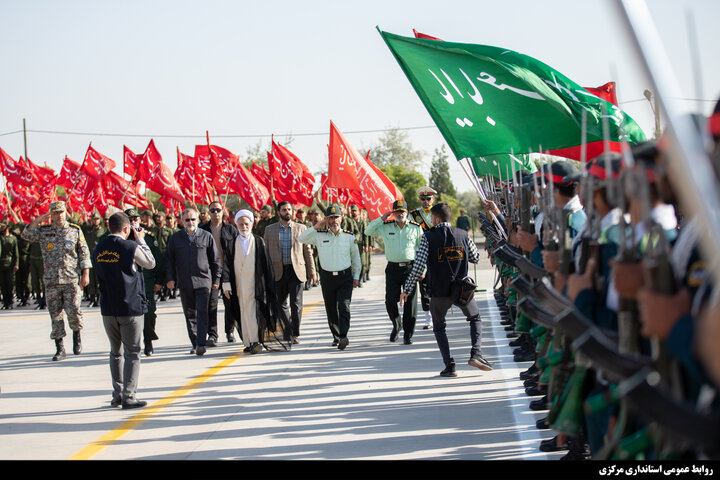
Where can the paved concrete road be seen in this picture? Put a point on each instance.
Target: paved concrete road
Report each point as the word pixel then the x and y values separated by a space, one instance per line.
pixel 375 400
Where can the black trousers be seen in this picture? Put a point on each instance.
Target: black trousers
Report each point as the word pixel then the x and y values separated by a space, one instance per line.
pixel 195 304
pixel 439 307
pixel 337 293
pixel 424 297
pixel 395 277
pixel 290 287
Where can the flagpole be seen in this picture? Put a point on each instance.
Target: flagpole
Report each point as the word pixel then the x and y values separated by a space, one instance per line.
pixel 479 188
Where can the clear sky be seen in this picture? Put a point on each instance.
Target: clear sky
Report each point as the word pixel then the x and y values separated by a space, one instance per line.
pixel 257 68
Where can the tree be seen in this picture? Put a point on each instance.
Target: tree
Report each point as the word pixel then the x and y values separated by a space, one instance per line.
pixel 440 176
pixel 408 181
pixel 395 148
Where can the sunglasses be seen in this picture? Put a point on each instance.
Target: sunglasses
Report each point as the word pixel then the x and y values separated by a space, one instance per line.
pixel 188 220
pixel 215 210
pixel 426 197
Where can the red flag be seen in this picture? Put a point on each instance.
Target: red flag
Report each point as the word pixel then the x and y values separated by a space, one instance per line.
pixel 347 168
pixel 293 175
pixel 16 172
pixel 422 35
pixel 96 165
pixel 69 174
pixel 250 189
pixel 150 159
pixel 130 162
pixel 606 92
pixel 394 190
pixel 25 200
pixel 224 163
pixel 94 196
pixel 262 175
pixel 117 189
pixel 193 187
pixel 163 182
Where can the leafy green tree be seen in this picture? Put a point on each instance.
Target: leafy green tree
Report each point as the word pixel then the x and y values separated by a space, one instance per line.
pixel 395 148
pixel 408 181
pixel 440 176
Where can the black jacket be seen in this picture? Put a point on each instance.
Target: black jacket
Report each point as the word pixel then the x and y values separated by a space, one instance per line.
pixel 228 232
pixel 196 263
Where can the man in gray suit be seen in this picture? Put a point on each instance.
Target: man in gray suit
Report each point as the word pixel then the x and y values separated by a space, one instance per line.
pixel 192 258
pixel 292 264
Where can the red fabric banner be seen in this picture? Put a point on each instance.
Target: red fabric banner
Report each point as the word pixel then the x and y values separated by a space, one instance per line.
pixel 250 189
pixel 96 165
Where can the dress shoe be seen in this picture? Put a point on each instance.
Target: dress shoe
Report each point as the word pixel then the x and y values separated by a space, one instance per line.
pixel 530 372
pixel 115 402
pixel 542 424
pixel 295 340
pixel 230 338
pixel 60 353
pixel 200 350
pixel 525 357
pixel 550 445
pixel 343 343
pixel 148 348
pixel 393 335
pixel 518 342
pixel 539 404
pixel 512 334
pixel 135 404
pixel 256 348
pixel 246 349
pixel 449 371
pixel 522 350
pixel 535 391
pixel 77 343
pixel 532 381
pixel 334 343
pixel 211 342
pixel 407 341
pixel 478 361
pixel 192 351
pixel 426 327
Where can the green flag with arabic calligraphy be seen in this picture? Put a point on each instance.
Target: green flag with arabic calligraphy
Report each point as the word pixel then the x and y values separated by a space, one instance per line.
pixel 489 101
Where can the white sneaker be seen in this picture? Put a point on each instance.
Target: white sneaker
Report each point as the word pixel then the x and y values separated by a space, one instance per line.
pixel 428 321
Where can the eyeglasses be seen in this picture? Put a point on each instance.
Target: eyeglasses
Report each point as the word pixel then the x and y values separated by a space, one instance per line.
pixel 188 220
pixel 215 210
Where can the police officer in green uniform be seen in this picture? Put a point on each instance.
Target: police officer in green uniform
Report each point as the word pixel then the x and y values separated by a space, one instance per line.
pixel 339 270
pixel 93 231
pixel 162 234
pixel 266 218
pixel 36 275
pixel 313 219
pixel 368 245
pixel 8 265
pixel 154 280
pixel 66 264
pixel 422 217
pixel 402 239
pixel 22 276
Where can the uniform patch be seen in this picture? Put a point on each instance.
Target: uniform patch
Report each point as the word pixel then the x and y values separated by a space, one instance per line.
pixel 49 246
pixel 452 254
pixel 696 274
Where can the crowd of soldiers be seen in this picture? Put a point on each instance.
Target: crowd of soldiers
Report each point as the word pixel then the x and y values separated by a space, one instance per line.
pixel 602 286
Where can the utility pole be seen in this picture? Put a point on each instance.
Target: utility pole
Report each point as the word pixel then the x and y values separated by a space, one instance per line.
pixel 25 140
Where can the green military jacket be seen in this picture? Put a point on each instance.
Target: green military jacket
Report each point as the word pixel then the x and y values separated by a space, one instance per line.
pixel 65 252
pixel 8 251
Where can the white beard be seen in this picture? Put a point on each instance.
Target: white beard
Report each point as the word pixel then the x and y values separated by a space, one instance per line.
pixel 245 234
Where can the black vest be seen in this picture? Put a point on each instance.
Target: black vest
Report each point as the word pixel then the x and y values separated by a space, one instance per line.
pixel 447 254
pixel 122 287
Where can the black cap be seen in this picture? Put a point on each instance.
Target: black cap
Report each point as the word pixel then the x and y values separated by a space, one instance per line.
pixel 399 206
pixel 333 210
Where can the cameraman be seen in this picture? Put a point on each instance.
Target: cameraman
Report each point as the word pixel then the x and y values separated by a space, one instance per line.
pixel 123 302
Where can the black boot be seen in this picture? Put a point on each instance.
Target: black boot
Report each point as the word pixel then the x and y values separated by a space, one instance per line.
pixel 77 343
pixel 60 353
pixel 148 348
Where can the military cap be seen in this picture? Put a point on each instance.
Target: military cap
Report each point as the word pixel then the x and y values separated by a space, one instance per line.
pixel 333 210
pixel 57 206
pixel 266 208
pixel 426 191
pixel 131 212
pixel 168 215
pixel 399 206
pixel 354 207
pixel 159 214
pixel 645 151
pixel 204 209
pixel 312 210
pixel 95 215
pixel 146 212
pixel 562 173
pixel 300 209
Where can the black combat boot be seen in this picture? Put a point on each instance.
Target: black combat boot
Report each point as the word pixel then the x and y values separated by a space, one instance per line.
pixel 77 344
pixel 60 354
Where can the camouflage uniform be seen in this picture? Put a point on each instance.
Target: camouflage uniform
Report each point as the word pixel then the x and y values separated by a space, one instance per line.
pixel 65 255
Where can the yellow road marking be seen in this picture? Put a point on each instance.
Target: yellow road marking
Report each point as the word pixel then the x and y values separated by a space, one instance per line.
pixel 106 440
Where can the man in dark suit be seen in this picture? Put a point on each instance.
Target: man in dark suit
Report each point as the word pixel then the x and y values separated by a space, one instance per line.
pixel 445 251
pixel 118 264
pixel 192 259
pixel 292 264
pixel 220 230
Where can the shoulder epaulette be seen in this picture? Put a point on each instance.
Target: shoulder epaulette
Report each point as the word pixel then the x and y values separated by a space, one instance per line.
pixel 148 232
pixel 388 222
pixel 349 233
pixel 413 222
pixel 322 230
pixel 74 225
